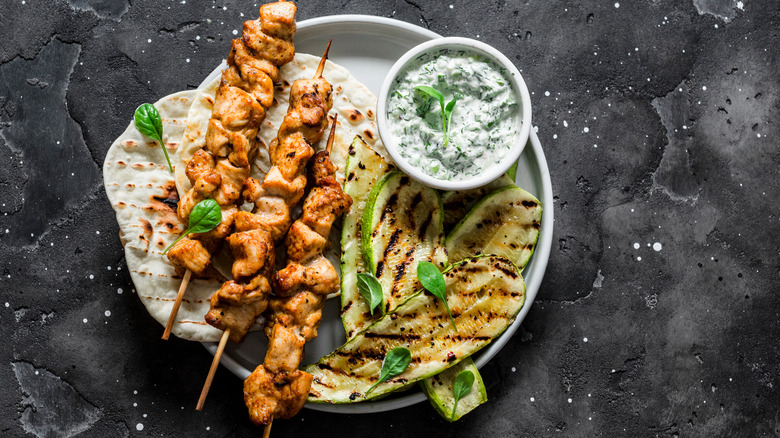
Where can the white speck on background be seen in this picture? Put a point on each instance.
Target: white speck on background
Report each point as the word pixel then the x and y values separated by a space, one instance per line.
pixel 119 290
pixel 451 6
pixel 639 259
pixel 636 245
pixel 740 6
pixel 704 88
pixel 139 427
pixel 585 129
pixel 108 313
pixel 91 277
pixel 547 93
pixel 135 405
pixel 584 339
pixel 657 246
pixel 235 32
pixel 85 320
pixel 514 369
pixel 555 136
pixel 617 5
pixel 565 124
pixel 569 400
pixel 533 399
pixel 7 304
pixel 148 41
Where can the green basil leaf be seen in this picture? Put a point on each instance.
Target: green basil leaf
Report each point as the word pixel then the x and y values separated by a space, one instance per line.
pixel 204 217
pixel 434 93
pixel 371 290
pixel 149 123
pixel 433 281
pixel 396 362
pixel 463 383
pixel 448 118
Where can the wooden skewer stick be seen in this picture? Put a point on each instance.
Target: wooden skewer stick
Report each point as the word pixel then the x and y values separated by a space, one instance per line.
pixel 212 370
pixel 267 430
pixel 176 304
pixel 321 67
pixel 332 135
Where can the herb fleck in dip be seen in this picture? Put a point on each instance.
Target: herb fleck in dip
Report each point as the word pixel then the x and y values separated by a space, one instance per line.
pixel 482 126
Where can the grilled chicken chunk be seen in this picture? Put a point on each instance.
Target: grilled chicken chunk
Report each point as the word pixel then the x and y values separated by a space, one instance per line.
pixel 236 307
pixel 275 395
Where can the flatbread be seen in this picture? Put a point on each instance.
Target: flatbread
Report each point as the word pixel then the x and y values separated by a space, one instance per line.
pixel 143 192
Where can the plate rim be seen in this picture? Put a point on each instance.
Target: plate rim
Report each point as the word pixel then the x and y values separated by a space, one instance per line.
pixel 540 257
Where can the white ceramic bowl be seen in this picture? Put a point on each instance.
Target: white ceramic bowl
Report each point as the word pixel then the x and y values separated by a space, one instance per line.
pixel 523 116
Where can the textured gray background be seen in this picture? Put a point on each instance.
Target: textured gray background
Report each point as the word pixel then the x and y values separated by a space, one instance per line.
pixel 658 119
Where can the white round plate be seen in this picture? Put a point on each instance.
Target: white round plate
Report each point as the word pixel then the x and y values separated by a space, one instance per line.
pixel 368 46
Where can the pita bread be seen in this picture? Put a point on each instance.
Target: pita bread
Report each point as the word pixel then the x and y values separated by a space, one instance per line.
pixel 144 193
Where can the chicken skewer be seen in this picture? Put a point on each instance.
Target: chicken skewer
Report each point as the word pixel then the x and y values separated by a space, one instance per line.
pixel 277 388
pixel 239 302
pixel 218 170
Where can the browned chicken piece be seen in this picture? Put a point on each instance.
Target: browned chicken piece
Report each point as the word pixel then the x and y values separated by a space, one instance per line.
pixel 310 101
pixel 323 206
pixel 254 75
pixel 317 276
pixel 218 138
pixel 186 204
pixel 295 153
pixel 278 19
pixel 289 190
pixel 252 190
pixel 270 396
pixel 190 254
pixel 272 216
pixel 302 311
pixel 252 252
pixel 277 50
pixel 285 349
pixel 229 192
pixel 236 307
pixel 201 173
pixel 303 243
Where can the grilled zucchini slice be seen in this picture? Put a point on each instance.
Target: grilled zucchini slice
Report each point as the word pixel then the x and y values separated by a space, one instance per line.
pixel 364 168
pixel 504 223
pixel 440 391
pixel 401 226
pixel 458 203
pixel 484 293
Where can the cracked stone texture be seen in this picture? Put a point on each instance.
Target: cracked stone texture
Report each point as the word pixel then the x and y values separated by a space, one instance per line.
pixel 658 313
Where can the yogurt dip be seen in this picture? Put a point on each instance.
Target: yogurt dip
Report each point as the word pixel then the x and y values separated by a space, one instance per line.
pixel 483 124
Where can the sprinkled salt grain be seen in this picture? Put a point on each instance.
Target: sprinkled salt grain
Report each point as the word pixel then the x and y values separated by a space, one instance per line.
pixel 584 339
pixel 108 268
pixel 145 415
pixel 91 277
pixel 569 400
pixel 119 290
pixel 148 41
pixel 135 405
pixel 85 320
pixel 97 231
pixel 451 6
pixel 514 369
pixel 639 259
pixel 139 427
pixel 135 392
pixel 636 245
pixel 547 93
pixel 235 32
pixel 565 124
pixel 585 129
pixel 108 313
pixel 533 399
pixel 704 88
pixel 617 5
pixel 555 136
pixel 657 246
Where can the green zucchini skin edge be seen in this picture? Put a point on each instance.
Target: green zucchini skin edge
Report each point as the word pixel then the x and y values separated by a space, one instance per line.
pixel 441 395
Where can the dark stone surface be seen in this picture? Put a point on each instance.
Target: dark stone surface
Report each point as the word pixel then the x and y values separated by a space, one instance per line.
pixel 658 315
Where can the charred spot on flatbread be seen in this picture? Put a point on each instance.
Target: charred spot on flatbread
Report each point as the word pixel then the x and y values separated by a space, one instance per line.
pixel 355 116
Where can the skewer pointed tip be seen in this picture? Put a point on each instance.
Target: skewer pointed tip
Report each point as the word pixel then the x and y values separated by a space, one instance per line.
pixel 321 67
pixel 267 429
pixel 332 136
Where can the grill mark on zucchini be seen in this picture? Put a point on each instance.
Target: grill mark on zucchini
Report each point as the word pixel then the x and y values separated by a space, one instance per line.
pixel 391 242
pixel 392 336
pixel 424 228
